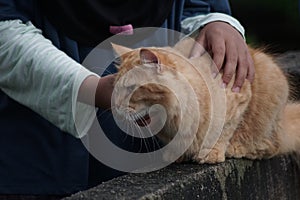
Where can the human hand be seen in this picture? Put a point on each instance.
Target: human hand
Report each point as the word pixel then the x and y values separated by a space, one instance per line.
pixel 229 52
pixel 97 91
pixel 104 91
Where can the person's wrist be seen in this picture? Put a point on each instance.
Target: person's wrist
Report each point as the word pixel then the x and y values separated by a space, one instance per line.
pixel 97 91
pixel 88 89
pixel 104 91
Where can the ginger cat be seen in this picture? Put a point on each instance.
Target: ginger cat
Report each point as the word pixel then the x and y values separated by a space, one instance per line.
pixel 258 122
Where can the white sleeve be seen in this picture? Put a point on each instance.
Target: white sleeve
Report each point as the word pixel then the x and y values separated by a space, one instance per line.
pixel 38 75
pixel 191 24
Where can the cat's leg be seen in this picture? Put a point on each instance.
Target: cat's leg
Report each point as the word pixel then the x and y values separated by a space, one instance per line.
pixel 179 150
pixel 252 147
pixel 237 103
pixel 216 154
pixel 236 148
pixel 257 137
pixel 256 141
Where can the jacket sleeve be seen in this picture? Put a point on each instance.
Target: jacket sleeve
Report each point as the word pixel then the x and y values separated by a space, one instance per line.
pixel 36 74
pixel 200 7
pixel 197 13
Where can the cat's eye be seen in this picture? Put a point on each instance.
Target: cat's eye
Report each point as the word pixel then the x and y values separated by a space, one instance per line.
pixel 131 88
pixel 117 61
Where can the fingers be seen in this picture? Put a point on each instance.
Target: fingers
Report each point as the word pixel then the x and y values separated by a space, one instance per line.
pixel 244 70
pixel 198 48
pixel 240 77
pixel 228 51
pixel 218 51
pixel 233 60
pixel 230 66
pixel 215 47
pixel 251 69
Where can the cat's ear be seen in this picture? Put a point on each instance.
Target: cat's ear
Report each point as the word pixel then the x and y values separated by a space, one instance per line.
pixel 148 57
pixel 120 50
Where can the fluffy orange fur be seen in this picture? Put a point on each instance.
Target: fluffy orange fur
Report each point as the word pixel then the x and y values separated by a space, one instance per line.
pixel 259 122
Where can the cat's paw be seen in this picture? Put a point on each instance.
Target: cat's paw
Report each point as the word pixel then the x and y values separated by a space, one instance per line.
pixel 235 151
pixel 214 156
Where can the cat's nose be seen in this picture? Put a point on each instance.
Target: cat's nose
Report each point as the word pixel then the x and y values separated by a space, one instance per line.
pixel 118 111
pixel 123 110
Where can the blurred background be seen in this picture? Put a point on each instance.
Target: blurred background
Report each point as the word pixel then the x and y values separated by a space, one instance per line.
pixel 271 23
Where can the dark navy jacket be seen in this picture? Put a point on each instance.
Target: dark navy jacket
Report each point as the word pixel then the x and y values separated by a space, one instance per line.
pixel 35 156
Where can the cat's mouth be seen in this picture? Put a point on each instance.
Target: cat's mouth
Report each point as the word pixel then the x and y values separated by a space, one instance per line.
pixel 142 118
pixel 143 121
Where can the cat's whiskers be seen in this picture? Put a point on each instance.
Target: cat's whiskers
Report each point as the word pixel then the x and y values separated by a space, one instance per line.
pixel 130 125
pixel 146 126
pixel 133 127
pixel 127 124
pixel 140 116
pixel 126 135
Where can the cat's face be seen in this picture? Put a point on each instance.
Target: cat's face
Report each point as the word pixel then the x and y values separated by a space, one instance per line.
pixel 144 79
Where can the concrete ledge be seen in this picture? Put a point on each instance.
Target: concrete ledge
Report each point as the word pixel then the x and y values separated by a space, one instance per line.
pixel 277 178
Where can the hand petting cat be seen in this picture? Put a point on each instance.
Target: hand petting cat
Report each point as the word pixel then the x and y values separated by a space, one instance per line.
pixel 229 52
pixel 224 43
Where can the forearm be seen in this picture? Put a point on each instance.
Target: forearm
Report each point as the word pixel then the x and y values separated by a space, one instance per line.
pixel 39 76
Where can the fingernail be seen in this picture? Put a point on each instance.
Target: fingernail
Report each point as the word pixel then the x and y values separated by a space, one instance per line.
pixel 214 75
pixel 236 89
pixel 223 85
